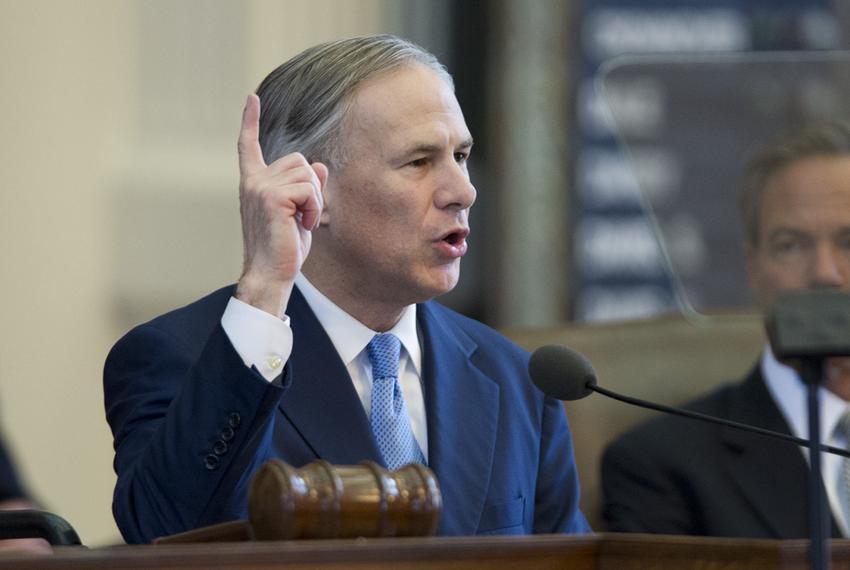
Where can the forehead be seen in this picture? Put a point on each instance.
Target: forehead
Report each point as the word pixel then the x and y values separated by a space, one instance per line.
pixel 412 102
pixel 808 194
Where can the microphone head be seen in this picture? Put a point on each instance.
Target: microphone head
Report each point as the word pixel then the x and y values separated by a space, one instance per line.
pixel 562 372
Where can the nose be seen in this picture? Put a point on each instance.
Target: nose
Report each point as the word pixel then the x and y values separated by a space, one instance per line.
pixel 828 270
pixel 456 192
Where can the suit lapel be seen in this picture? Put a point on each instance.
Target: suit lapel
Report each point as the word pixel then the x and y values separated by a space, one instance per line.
pixel 463 411
pixel 462 406
pixel 322 403
pixel 771 477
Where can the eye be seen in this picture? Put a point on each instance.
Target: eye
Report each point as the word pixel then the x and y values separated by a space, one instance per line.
pixel 788 245
pixel 418 162
pixel 784 245
pixel 461 157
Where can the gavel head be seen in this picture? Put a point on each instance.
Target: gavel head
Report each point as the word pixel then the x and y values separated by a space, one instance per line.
pixel 321 500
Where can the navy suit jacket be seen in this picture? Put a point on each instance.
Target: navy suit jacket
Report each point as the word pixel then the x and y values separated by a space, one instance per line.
pixel 191 423
pixel 675 475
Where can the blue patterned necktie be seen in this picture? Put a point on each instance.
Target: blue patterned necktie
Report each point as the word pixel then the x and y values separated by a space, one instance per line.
pixel 390 423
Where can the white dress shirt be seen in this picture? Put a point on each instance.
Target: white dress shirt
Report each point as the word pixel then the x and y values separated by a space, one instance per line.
pixel 265 341
pixel 790 395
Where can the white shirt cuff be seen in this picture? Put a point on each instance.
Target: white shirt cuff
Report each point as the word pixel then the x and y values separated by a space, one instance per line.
pixel 259 338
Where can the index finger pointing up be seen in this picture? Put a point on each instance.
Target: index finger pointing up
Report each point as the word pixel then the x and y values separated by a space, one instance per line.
pixel 250 153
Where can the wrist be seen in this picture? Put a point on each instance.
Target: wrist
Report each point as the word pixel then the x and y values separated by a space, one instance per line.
pixel 267 295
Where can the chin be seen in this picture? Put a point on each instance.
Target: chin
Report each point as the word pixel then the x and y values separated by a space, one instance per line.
pixel 438 285
pixel 449 280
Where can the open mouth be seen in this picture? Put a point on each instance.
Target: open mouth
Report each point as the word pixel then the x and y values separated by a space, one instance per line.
pixel 456 237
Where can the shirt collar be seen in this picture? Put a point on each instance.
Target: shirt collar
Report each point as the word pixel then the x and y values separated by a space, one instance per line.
pixel 348 335
pixel 789 392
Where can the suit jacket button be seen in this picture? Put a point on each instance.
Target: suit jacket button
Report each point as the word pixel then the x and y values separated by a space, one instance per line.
pixel 227 433
pixel 211 462
pixel 234 419
pixel 220 448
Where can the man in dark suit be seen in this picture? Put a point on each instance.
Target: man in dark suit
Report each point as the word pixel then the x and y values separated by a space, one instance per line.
pixel 677 476
pixel 355 197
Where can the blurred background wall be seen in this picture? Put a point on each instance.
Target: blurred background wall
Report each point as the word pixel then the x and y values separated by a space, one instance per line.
pixel 118 180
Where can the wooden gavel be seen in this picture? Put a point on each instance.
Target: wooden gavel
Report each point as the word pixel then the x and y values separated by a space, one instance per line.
pixel 321 500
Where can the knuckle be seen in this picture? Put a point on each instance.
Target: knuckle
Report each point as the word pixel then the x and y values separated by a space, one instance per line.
pixel 288 161
pixel 304 173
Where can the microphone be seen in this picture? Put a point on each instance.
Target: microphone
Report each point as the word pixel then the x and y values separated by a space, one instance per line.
pixel 566 374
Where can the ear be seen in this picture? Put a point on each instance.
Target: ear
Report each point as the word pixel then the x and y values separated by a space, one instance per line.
pixel 323 175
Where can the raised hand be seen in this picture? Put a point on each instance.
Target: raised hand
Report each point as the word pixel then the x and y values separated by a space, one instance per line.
pixel 280 203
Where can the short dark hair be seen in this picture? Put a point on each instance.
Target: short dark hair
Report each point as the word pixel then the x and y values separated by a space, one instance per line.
pixel 304 102
pixel 824 139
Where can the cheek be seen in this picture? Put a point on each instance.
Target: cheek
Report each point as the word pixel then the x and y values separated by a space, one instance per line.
pixel 766 283
pixel 769 275
pixel 786 277
pixel 399 219
pixel 386 214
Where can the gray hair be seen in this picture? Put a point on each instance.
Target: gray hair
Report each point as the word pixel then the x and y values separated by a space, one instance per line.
pixel 826 139
pixel 305 101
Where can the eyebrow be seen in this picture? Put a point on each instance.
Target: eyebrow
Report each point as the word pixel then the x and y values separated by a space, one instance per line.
pixel 786 230
pixel 783 232
pixel 786 233
pixel 428 148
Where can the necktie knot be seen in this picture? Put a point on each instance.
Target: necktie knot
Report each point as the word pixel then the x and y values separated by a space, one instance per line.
pixel 384 351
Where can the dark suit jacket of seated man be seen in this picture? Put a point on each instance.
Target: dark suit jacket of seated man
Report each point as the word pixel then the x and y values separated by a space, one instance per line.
pixel 354 195
pixel 679 476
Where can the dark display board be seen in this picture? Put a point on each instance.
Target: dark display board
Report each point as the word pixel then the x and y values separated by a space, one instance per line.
pixel 673 97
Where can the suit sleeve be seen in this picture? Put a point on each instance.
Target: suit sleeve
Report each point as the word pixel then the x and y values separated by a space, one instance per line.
pixel 188 431
pixel 557 495
pixel 643 492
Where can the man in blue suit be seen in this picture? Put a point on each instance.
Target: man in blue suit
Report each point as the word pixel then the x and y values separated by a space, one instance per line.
pixel 355 197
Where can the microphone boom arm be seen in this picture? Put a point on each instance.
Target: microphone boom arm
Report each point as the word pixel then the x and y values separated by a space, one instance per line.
pixel 712 419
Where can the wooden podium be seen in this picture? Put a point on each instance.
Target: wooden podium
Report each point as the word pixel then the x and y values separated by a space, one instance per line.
pixel 587 552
